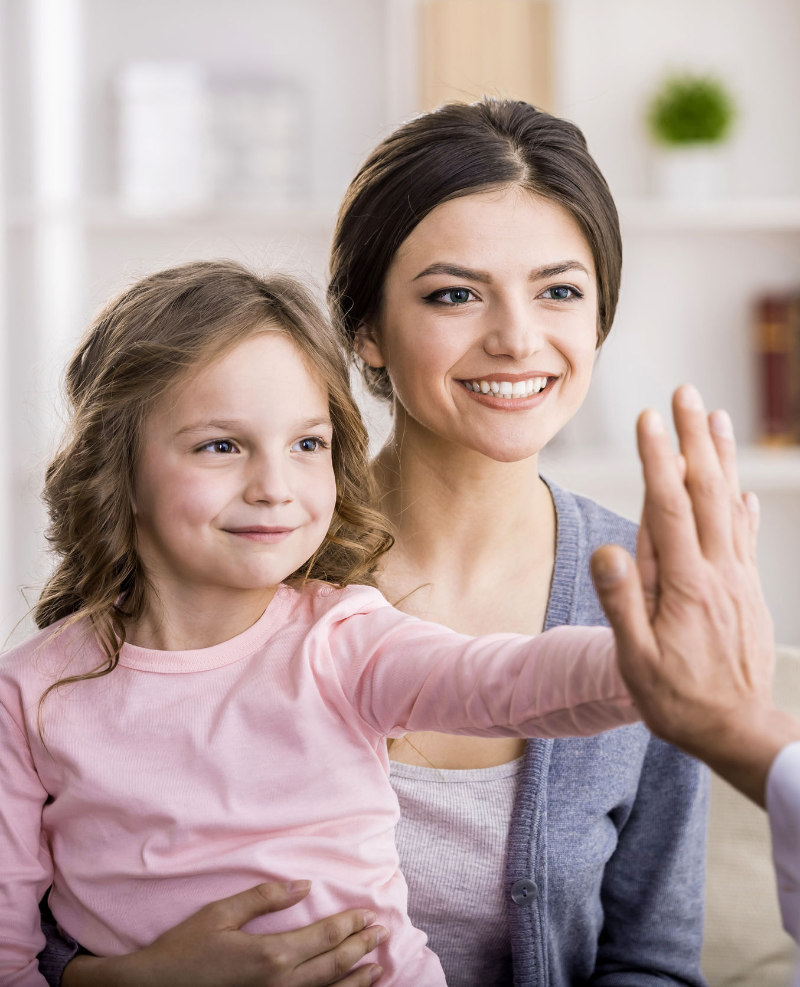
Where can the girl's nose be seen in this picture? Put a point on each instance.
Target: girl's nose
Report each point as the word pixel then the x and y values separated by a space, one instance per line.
pixel 268 481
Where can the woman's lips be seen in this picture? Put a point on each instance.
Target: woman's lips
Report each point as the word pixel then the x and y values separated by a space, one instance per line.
pixel 509 393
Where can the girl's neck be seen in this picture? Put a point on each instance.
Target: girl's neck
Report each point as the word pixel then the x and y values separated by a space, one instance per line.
pixel 177 619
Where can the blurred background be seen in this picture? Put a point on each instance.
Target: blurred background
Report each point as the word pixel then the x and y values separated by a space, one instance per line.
pixel 133 136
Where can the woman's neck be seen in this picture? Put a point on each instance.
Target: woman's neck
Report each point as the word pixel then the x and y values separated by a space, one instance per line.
pixel 464 525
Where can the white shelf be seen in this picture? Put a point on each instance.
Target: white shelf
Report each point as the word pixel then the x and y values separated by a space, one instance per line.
pixel 768 214
pixel 645 215
pixel 109 216
pixel 761 469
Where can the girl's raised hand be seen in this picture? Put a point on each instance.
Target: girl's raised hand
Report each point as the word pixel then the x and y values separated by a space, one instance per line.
pixel 210 950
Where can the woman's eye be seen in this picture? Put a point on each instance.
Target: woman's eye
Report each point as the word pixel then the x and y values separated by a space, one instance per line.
pixel 452 296
pixel 311 443
pixel 562 293
pixel 223 446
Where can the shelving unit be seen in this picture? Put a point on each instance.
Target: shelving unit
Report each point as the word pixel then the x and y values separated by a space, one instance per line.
pixel 773 214
pixel 689 277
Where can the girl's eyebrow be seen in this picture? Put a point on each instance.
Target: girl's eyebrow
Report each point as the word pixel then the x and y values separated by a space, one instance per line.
pixel 232 424
pixel 470 274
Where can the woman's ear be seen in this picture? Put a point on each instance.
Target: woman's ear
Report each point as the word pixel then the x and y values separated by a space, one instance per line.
pixel 366 346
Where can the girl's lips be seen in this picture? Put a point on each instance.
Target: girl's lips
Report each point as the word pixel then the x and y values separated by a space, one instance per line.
pixel 264 535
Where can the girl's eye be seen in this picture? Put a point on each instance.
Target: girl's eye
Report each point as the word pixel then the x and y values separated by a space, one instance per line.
pixel 223 446
pixel 562 293
pixel 452 296
pixel 310 443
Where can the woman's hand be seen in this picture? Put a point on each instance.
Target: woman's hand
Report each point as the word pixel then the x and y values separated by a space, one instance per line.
pixel 210 950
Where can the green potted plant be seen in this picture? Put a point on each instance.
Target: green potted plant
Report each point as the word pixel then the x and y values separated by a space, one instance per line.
pixel 690 117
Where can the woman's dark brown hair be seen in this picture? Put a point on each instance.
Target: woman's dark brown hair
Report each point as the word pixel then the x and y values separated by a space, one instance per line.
pixel 453 151
pixel 145 341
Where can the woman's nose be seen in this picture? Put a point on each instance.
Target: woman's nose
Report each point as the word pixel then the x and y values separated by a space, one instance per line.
pixel 514 331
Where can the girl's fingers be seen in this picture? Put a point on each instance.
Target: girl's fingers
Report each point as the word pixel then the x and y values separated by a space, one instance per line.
pixel 706 480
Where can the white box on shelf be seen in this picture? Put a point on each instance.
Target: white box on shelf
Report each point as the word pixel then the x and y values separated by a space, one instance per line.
pixel 163 137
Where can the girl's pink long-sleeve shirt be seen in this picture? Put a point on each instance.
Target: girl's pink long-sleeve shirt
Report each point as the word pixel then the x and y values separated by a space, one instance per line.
pixel 184 777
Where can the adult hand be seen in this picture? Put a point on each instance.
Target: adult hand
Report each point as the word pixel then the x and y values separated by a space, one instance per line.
pixel 210 950
pixel 694 636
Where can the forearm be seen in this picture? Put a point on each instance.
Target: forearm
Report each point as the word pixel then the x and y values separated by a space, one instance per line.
pixel 106 971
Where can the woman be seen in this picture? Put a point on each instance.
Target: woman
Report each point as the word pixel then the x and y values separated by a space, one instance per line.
pixel 475 269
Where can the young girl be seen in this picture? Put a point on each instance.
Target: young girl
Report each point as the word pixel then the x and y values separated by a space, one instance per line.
pixel 207 703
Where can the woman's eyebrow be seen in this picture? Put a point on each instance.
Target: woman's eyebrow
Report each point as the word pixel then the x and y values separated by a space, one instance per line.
pixel 455 271
pixel 471 274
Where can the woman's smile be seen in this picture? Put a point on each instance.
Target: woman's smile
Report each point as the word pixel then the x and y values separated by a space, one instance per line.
pixel 490 305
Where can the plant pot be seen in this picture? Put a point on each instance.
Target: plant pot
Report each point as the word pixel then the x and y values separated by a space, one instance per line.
pixel 691 174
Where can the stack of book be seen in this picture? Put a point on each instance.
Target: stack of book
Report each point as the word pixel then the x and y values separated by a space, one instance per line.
pixel 777 342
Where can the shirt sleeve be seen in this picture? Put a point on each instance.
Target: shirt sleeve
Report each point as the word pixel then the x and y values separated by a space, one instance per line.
pixel 25 868
pixel 404 674
pixel 783 807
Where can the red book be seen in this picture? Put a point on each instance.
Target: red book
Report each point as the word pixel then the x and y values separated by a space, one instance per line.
pixel 776 347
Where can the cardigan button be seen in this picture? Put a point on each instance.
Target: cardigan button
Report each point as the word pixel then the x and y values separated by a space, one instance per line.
pixel 524 891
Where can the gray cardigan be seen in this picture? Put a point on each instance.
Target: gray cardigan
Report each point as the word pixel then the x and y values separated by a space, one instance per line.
pixel 606 855
pixel 606 852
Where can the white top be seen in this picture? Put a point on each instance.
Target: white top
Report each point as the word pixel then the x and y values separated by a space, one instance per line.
pixel 452 837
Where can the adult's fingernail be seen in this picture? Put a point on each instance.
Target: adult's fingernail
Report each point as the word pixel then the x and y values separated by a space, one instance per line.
pixel 751 502
pixel 369 918
pixel 294 886
pixel 608 568
pixel 653 422
pixel 689 397
pixel 721 424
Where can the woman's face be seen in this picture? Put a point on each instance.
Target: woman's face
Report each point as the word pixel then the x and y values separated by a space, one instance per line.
pixel 488 325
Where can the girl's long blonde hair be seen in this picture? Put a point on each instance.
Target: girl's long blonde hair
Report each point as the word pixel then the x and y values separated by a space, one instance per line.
pixel 140 345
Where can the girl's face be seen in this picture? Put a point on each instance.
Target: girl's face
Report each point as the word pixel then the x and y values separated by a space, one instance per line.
pixel 488 326
pixel 235 486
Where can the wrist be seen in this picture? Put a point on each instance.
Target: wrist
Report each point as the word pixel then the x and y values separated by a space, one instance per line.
pixel 741 747
pixel 101 971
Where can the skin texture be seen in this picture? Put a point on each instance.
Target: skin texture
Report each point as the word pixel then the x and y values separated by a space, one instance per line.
pixel 497 285
pixel 234 491
pixel 451 458
pixel 209 949
pixel 694 635
pixel 222 454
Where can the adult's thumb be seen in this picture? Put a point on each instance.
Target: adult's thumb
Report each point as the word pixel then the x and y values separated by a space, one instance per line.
pixel 620 591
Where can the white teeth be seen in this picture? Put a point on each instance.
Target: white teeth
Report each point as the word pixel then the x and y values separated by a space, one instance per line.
pixel 507 388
